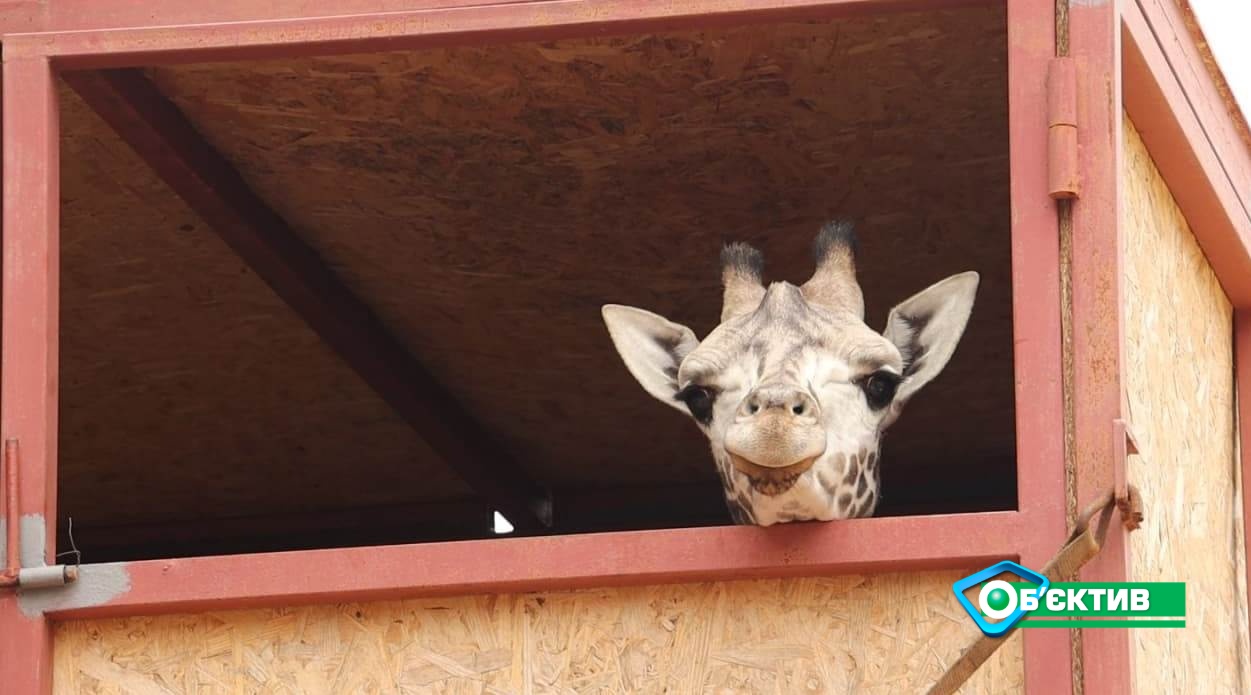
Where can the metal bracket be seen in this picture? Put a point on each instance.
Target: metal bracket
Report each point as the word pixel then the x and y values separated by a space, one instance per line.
pixel 1128 498
pixel 1124 445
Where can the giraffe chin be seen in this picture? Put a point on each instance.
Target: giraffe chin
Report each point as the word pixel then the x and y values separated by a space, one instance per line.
pixel 772 481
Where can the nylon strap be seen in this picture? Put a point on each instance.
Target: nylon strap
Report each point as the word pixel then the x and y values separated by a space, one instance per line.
pixel 1083 544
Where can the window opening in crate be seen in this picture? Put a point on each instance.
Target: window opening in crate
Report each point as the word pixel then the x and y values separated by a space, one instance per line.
pixel 484 202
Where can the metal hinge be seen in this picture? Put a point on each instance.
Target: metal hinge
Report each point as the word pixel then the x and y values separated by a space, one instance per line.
pixel 1062 170
pixel 13 575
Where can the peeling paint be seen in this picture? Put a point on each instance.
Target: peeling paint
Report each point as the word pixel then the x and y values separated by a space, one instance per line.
pixel 1087 3
pixel 96 585
pixel 34 540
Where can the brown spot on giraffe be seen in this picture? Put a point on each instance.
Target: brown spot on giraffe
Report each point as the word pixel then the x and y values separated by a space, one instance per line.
pixel 868 504
pixel 853 471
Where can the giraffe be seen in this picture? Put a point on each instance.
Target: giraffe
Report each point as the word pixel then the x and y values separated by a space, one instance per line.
pixel 793 389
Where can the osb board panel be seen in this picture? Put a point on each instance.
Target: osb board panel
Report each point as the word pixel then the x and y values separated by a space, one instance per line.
pixel 487 201
pixel 1180 384
pixel 881 634
pixel 188 389
pixel 1243 614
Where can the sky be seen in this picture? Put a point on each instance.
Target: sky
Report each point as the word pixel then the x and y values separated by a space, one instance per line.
pixel 1226 24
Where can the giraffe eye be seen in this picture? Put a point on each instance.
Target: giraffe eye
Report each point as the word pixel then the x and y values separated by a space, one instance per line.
pixel 879 388
pixel 698 400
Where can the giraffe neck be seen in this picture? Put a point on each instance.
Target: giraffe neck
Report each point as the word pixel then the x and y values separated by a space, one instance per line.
pixel 854 492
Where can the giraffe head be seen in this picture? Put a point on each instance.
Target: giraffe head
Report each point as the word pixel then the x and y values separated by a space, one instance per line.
pixel 792 389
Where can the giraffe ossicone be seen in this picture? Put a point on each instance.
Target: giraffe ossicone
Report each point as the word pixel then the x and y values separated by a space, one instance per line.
pixel 793 389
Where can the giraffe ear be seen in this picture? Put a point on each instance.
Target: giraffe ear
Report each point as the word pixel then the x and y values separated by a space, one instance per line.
pixel 926 328
pixel 652 348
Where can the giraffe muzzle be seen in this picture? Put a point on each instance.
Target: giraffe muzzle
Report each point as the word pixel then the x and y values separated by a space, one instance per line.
pixel 775 443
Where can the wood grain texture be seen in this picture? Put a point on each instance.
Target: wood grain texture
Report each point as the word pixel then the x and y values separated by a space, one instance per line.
pixel 878 634
pixel 1181 401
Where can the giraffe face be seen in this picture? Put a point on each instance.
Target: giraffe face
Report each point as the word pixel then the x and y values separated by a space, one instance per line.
pixel 793 389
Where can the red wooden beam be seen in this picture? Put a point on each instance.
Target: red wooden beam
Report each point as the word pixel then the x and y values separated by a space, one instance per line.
pixel 85 15
pixel 89 15
pixel 211 186
pixel 28 374
pixel 1183 129
pixel 1191 61
pixel 1036 324
pixel 958 541
pixel 1098 314
pixel 323 29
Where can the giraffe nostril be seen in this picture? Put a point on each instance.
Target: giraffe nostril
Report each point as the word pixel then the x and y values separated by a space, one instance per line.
pixel 749 407
pixel 803 405
pixel 779 401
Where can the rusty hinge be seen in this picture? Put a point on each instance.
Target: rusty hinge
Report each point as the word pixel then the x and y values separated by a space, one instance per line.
pixel 12 518
pixel 1062 172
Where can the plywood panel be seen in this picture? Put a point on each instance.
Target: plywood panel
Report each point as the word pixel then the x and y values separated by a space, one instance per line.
pixel 881 634
pixel 1180 383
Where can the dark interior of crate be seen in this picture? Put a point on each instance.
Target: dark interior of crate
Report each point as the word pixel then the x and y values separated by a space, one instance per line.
pixel 484 203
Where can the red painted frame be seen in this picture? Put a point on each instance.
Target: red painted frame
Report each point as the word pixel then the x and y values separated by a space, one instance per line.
pixel 1098 298
pixel 1036 323
pixel 559 562
pixel 81 33
pixel 28 394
